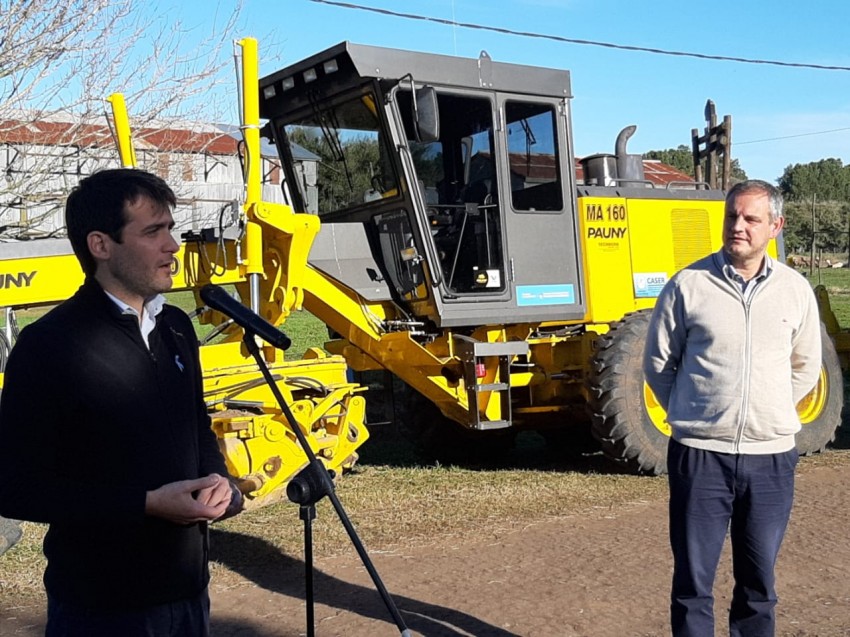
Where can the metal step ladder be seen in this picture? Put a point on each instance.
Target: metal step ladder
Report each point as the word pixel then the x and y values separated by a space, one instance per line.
pixel 472 354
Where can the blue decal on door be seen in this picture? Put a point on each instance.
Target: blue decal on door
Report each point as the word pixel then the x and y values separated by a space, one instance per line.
pixel 555 294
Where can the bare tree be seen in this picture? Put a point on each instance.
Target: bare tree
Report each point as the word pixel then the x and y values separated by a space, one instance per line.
pixel 59 59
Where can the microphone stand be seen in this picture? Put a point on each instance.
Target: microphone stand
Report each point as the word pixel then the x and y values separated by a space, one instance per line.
pixel 310 485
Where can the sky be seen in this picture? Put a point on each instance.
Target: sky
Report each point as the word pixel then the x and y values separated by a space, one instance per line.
pixel 780 115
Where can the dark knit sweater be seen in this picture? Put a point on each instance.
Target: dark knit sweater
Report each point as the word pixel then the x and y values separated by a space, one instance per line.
pixel 90 420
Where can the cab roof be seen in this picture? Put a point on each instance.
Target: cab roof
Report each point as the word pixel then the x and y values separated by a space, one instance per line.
pixel 357 62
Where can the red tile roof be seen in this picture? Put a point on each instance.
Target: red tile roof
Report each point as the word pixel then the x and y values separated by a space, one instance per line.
pixel 543 167
pixel 654 171
pixel 58 133
pixel 662 174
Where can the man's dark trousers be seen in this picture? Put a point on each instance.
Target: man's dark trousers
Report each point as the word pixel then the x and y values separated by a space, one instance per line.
pixel 183 618
pixel 710 492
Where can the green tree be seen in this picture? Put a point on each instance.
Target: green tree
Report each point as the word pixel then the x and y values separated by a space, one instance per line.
pixel 831 220
pixel 826 185
pixel 348 168
pixel 682 158
pixel 828 179
pixel 679 158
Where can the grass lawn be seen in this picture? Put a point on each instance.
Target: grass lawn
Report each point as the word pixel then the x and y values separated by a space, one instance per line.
pixel 837 283
pixel 303 328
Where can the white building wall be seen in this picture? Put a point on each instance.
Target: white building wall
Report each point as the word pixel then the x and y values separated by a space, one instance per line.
pixel 38 179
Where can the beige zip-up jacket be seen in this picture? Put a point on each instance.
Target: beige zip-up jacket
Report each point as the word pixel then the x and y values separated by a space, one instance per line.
pixel 729 370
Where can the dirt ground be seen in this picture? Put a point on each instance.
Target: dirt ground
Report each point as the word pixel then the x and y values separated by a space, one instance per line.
pixel 600 574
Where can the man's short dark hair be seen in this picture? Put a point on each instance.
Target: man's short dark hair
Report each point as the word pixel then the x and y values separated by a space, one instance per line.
pixel 774 197
pixel 98 202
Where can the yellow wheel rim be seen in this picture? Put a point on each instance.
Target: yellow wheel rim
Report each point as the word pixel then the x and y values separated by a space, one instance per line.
pixel 656 413
pixel 813 403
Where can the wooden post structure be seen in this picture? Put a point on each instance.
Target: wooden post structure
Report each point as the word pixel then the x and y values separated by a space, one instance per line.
pixel 726 143
pixel 717 142
pixel 695 142
pixel 711 144
pixel 814 235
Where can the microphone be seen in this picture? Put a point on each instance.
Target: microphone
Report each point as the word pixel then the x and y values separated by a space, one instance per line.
pixel 218 299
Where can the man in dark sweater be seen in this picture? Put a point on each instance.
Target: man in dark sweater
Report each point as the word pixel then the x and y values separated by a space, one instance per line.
pixel 103 430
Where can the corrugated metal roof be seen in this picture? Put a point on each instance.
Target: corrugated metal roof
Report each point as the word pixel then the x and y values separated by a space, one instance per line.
pixel 61 132
pixel 221 139
pixel 536 166
pixel 663 174
pixel 655 171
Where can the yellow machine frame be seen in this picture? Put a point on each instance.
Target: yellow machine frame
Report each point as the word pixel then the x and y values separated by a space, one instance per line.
pixel 469 374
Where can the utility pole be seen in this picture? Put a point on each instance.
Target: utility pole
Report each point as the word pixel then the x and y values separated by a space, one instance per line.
pixel 814 238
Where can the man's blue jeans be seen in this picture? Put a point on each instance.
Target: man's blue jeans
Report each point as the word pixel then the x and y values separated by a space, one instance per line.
pixel 751 495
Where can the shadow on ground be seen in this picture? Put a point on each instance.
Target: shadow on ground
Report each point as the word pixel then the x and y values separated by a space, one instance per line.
pixel 387 447
pixel 842 436
pixel 266 566
pixel 575 451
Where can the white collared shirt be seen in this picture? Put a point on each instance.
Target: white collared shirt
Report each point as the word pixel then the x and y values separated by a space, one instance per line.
pixel 150 310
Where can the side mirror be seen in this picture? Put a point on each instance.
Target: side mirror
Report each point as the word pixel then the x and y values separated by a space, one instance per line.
pixel 426 114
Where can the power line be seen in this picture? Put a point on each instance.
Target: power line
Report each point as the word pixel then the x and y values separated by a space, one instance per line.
pixel 558 38
pixel 774 139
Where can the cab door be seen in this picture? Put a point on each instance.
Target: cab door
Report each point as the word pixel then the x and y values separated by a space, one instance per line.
pixel 540 218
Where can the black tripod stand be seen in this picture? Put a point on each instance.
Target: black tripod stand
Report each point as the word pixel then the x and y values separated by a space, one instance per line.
pixel 308 487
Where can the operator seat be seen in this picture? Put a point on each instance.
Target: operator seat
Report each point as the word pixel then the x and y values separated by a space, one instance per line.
pixel 481 192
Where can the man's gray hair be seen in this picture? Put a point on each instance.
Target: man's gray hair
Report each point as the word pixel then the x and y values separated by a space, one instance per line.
pixel 774 197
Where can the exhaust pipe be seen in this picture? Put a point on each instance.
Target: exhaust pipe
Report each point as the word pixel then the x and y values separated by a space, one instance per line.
pixel 629 167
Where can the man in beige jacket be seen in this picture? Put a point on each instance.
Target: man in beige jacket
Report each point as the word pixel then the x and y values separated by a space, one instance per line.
pixel 733 345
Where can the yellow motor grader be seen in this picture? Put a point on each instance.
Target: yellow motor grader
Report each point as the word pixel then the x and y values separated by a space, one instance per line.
pixel 438 229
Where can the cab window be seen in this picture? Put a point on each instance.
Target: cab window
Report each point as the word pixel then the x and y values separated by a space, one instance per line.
pixel 533 157
pixel 353 164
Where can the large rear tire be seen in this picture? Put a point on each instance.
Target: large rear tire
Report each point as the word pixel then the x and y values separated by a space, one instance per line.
pixel 627 420
pixel 820 410
pixel 631 426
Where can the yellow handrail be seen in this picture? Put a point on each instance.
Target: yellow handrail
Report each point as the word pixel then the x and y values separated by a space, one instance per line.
pixel 123 134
